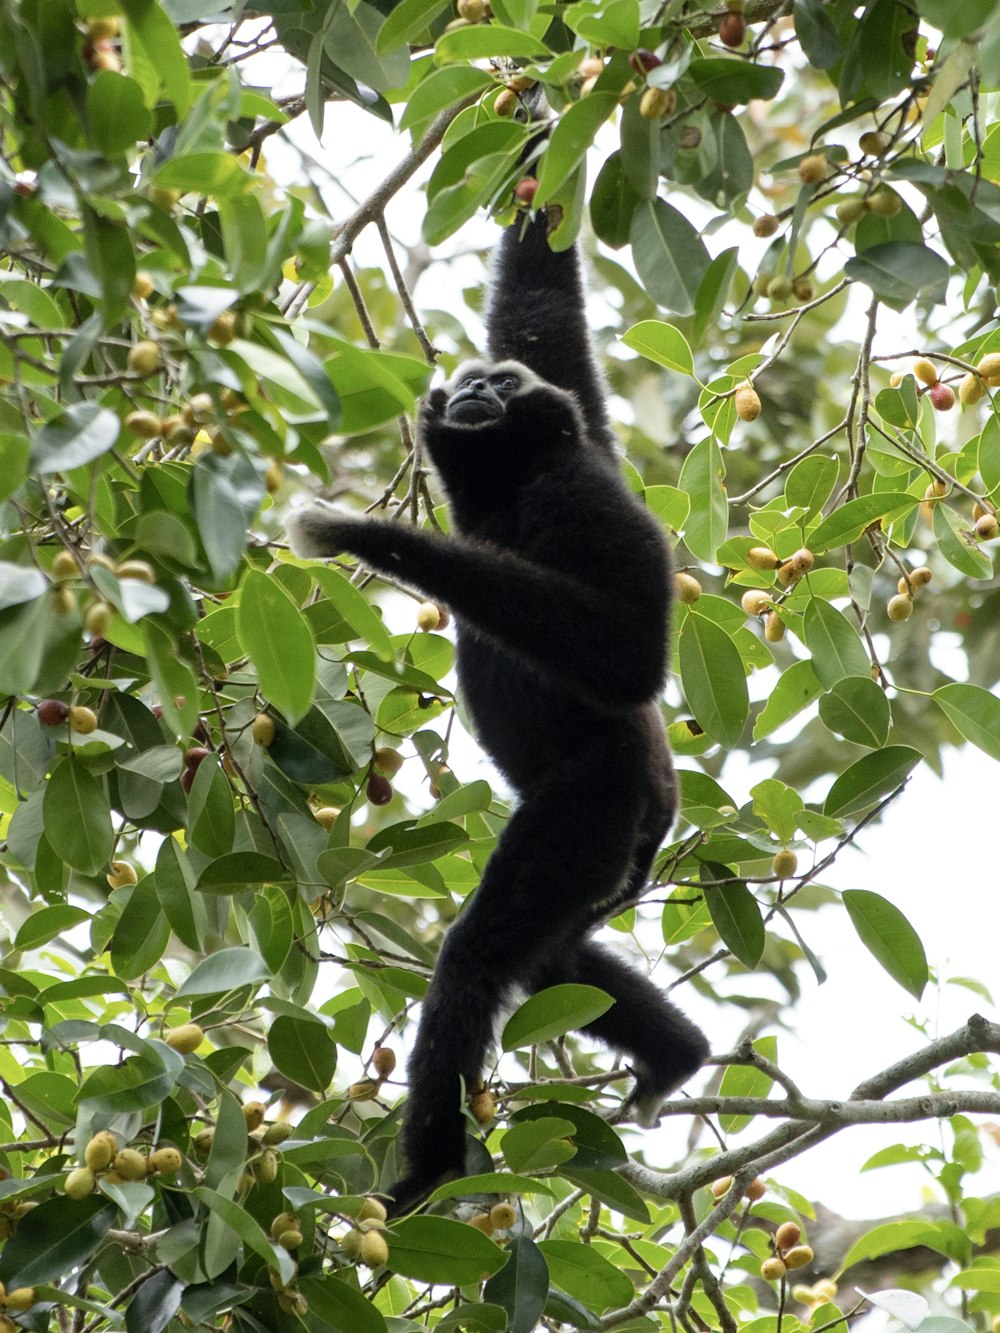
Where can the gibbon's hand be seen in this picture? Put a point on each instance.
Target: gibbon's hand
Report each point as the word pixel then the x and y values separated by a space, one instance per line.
pixel 321 530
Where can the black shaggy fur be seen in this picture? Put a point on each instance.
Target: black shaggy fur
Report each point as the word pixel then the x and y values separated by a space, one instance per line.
pixel 560 584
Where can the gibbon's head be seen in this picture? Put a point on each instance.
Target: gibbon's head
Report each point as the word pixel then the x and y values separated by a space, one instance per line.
pixel 479 392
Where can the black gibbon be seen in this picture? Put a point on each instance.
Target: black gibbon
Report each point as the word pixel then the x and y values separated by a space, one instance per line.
pixel 560 584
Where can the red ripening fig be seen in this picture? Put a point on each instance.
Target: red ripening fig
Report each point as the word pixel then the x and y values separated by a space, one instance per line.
pixel 194 756
pixel 942 397
pixel 52 712
pixel 525 191
pixel 733 30
pixel 642 61
pixel 379 789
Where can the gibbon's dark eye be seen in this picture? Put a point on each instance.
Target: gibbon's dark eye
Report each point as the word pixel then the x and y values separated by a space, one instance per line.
pixel 508 383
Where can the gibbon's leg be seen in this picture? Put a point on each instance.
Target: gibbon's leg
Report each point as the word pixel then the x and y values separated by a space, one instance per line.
pixel 663 1044
pixel 564 850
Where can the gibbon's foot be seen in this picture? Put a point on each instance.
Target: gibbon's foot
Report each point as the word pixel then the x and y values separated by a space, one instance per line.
pixel 411 1191
pixel 653 1087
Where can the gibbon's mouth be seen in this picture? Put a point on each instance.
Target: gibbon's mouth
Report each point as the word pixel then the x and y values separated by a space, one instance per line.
pixel 471 406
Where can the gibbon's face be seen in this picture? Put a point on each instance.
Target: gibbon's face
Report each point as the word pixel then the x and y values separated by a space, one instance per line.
pixel 478 392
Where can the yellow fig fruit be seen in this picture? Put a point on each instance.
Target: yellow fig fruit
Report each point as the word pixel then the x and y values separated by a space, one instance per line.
pixel 165 1161
pixel 100 1151
pixel 503 1216
pixel 987 528
pixel 388 760
pixel 428 616
pixel 277 1133
pixel 970 390
pixel 326 816
pixel 290 1240
pixel 850 211
pixel 263 729
pixel 814 168
pixel 97 619
pixel 20 1299
pixel 363 1091
pixel 765 225
pixel 721 1186
pixel 780 287
pixel 383 1061
pixel 253 1114
pixel 136 569
pixel 874 142
pixel 755 601
pixel 505 103
pixel 372 1210
pixel 989 368
pixel 130 1164
pixel 885 203
pixel 186 1038
pixel 899 607
pixel 920 576
pixel 785 863
pixel 82 720
pixel 121 875
pixel 762 558
pixel 787 1235
pixel 350 1244
pixel 925 371
pixel 79 1183
pixel 656 103
pixel 374 1251
pixel 773 1270
pixel 687 588
pixel 774 627
pixel 481 1222
pixel 483 1107
pixel 825 1289
pixel 798 1257
pixel 143 357
pixel 65 566
pixel 284 1222
pixel 747 403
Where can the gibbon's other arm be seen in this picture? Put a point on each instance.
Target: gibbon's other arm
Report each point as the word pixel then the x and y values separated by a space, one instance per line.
pixel 545 616
pixel 537 315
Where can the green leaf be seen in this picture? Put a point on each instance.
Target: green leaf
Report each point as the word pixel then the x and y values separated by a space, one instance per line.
pixel 356 610
pixel 898 272
pixel 735 914
pixel 735 81
pixel 117 115
pixel 889 937
pixel 713 291
pixel 437 1249
pixel 341 1306
pixel 778 806
pixel 702 477
pixel 204 173
pixel 521 1287
pixel 958 545
pixel 135 1085
pixel 886 1238
pixel 670 256
pixel 441 89
pixel 237 872
pixel 20 584
pixel 78 817
pixel 816 33
pixel 248 1229
pixel 486 41
pixel 857 709
pixel 872 777
pixel 226 970
pixel 278 641
pixel 585 1274
pixel 613 201
pixel 47 923
pixel 77 436
pixel 713 678
pixel 552 1012
pixel 408 20
pixel 849 521
pixel 661 343
pixel 572 137
pixel 53 1239
pixel 153 44
pixel 809 484
pixel 538 1144
pixel 746 1081
pixel 302 1050
pixel 835 645
pixel 975 712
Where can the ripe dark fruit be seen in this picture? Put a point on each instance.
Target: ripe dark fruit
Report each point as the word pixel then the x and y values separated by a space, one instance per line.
pixel 52 712
pixel 733 30
pixel 525 191
pixel 642 61
pixel 942 397
pixel 194 757
pixel 378 789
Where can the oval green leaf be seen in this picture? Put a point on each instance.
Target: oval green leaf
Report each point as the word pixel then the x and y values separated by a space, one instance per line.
pixel 552 1012
pixel 857 709
pixel 889 937
pixel 715 684
pixel 872 777
pixel 279 642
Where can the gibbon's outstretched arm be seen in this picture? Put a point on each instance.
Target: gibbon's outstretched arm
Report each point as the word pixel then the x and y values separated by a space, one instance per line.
pixel 537 315
pixel 532 611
